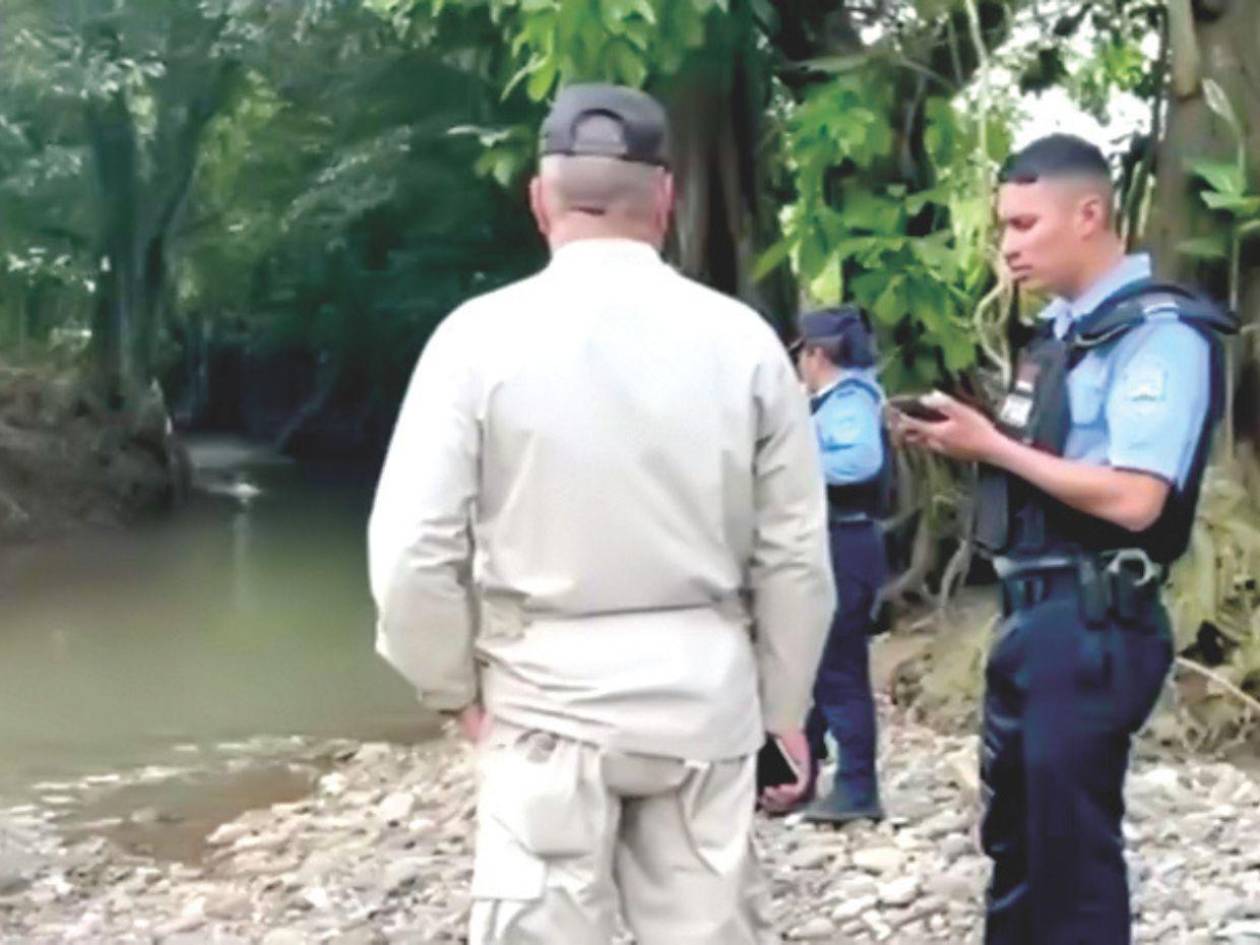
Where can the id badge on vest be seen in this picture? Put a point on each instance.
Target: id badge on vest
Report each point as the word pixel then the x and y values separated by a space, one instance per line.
pixel 1017 407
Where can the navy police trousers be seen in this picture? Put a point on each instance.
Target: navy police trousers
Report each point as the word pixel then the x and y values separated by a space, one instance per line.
pixel 843 702
pixel 1063 700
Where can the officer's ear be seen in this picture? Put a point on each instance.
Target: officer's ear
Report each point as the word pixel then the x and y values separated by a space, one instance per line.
pixel 538 206
pixel 1093 214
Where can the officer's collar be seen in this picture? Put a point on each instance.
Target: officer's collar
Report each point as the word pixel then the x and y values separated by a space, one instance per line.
pixel 603 250
pixel 826 391
pixel 1063 311
pixel 846 376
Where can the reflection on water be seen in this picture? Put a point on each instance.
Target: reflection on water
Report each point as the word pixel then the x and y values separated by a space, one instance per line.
pixel 242 616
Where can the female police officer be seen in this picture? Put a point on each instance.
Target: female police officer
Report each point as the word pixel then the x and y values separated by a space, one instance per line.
pixel 1089 481
pixel 836 359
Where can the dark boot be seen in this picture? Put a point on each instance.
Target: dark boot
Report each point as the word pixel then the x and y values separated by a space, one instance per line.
pixel 843 806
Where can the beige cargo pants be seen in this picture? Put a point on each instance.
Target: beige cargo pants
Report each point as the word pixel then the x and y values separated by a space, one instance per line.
pixel 569 834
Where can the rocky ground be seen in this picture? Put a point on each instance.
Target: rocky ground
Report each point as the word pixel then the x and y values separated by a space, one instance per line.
pixel 380 854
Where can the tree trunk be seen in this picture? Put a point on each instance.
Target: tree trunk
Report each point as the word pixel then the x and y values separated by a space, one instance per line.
pixel 724 217
pixel 1225 38
pixel 141 205
pixel 116 158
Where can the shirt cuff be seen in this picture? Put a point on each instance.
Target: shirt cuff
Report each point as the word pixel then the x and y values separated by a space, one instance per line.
pixel 1144 463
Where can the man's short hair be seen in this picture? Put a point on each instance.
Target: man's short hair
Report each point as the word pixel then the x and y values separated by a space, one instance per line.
pixel 601 186
pixel 1056 157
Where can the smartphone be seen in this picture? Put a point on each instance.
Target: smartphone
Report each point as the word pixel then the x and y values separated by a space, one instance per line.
pixel 774 766
pixel 912 405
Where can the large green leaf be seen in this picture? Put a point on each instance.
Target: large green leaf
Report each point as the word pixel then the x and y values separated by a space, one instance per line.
pixel 866 211
pixel 1225 177
pixel 891 304
pixel 1238 205
pixel 959 351
pixel 828 287
pixel 772 259
pixel 1215 246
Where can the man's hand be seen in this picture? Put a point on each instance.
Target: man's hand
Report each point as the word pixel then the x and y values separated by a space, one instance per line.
pixel 965 433
pixel 781 798
pixel 1129 498
pixel 472 721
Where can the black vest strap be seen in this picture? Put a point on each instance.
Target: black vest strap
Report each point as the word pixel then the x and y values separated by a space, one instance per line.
pixel 1016 518
pixel 1140 301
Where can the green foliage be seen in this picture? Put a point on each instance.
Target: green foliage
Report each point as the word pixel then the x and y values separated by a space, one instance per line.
pixel 1228 195
pixel 552 41
pixel 302 195
pixel 1214 588
pixel 918 259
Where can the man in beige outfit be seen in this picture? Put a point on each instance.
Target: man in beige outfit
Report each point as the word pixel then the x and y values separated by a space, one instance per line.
pixel 600 541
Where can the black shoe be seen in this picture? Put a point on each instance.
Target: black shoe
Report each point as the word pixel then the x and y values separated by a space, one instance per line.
pixel 839 807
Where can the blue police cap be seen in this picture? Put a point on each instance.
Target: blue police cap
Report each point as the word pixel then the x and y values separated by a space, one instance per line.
pixel 844 330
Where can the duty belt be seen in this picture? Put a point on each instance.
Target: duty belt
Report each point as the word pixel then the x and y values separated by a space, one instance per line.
pixel 1115 582
pixel 849 518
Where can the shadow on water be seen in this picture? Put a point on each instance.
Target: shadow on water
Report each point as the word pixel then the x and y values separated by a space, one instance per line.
pixel 181 672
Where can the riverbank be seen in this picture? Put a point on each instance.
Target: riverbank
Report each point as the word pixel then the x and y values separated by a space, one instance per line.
pixel 380 854
pixel 68 463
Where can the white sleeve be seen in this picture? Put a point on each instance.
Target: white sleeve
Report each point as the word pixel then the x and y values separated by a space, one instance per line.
pixel 419 533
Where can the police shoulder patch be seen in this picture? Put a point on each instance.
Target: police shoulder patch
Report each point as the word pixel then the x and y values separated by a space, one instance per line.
pixel 1145 380
pixel 846 430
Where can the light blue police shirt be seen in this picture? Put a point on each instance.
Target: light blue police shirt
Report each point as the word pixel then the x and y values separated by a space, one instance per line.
pixel 1138 403
pixel 848 427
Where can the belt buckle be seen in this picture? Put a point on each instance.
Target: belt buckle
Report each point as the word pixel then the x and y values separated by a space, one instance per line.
pixel 1126 556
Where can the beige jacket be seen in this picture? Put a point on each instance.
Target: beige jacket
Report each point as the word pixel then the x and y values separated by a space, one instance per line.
pixel 601 513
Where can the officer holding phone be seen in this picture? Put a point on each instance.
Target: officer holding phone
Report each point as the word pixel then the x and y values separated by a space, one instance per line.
pixel 1089 480
pixel 836 360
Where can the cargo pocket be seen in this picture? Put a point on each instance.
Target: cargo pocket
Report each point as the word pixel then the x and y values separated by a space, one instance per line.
pixel 531 786
pixel 507 884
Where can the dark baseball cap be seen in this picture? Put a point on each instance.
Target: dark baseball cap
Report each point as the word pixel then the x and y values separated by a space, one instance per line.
pixel 607 121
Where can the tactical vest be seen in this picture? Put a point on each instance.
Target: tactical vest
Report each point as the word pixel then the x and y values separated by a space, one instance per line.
pixel 1015 518
pixel 872 497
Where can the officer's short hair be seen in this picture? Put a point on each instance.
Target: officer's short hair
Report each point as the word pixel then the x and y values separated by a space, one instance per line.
pixel 1062 158
pixel 1056 157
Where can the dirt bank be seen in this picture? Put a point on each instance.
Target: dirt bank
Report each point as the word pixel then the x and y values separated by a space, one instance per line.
pixel 68 462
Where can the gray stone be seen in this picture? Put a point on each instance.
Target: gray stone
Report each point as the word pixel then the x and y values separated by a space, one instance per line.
pixel 397 807
pixel 899 892
pixel 285 937
pixel 879 860
pixel 815 928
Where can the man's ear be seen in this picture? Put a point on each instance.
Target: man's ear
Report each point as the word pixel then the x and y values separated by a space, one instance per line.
pixel 666 197
pixel 538 206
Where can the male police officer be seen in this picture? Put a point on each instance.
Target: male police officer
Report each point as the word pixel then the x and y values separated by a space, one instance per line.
pixel 836 360
pixel 601 526
pixel 1089 485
